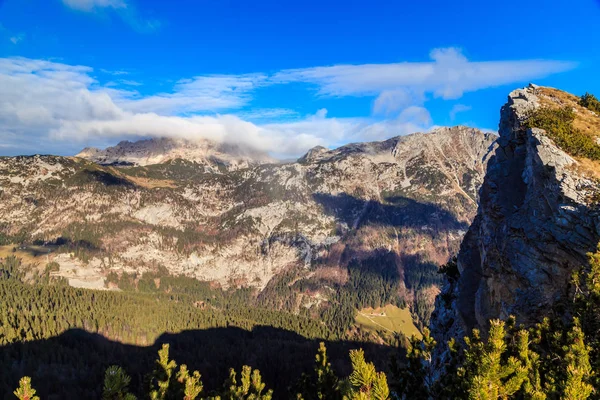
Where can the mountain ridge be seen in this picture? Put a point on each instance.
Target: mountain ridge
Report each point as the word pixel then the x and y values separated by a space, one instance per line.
pixel 160 150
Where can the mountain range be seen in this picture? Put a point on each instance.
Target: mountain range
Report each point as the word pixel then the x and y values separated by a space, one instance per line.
pixel 236 218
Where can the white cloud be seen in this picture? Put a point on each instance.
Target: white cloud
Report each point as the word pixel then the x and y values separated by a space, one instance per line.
pixel 126 82
pixel 458 108
pixel 263 114
pixel 203 93
pixel 392 101
pixel 17 38
pixel 117 72
pixel 59 108
pixel 90 5
pixel 46 106
pixel 448 75
pixel 126 11
pixel 320 130
pixel 286 139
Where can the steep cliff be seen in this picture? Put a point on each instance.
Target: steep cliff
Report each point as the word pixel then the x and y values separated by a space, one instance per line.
pixel 536 221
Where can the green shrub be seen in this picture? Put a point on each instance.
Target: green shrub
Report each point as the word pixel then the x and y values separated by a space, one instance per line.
pixel 590 102
pixel 52 267
pixel 558 124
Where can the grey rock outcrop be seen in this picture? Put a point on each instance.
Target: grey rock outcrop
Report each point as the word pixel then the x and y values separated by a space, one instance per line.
pixel 534 226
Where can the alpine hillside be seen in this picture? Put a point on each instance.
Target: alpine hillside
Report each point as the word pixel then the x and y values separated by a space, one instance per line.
pixel 304 234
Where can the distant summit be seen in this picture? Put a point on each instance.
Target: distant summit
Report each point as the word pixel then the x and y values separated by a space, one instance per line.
pixel 160 150
pixel 313 154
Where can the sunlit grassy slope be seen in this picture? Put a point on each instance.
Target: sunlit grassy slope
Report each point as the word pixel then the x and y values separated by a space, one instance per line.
pixel 32 255
pixel 389 318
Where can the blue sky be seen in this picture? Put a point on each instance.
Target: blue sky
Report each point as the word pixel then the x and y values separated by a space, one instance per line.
pixel 280 76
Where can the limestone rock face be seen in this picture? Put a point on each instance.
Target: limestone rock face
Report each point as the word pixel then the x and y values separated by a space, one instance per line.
pixel 534 226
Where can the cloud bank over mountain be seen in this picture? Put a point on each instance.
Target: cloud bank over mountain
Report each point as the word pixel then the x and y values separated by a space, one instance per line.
pixel 62 106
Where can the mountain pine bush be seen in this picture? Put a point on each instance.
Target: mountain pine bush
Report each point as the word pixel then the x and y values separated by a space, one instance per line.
pixel 590 102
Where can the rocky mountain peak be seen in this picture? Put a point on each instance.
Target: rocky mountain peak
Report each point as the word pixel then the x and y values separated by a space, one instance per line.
pixel 159 150
pixel 88 152
pixel 313 154
pixel 534 226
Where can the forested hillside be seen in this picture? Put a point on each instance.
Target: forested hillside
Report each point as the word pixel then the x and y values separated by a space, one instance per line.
pixel 551 360
pixel 66 337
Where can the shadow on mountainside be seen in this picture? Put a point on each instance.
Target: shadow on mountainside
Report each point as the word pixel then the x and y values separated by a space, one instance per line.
pixel 89 176
pixel 72 364
pixel 410 219
pixel 397 211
